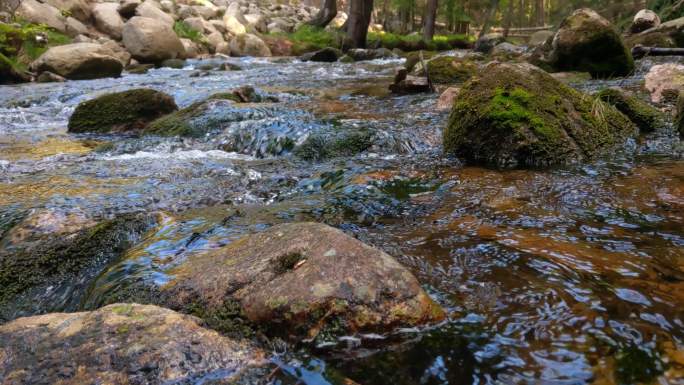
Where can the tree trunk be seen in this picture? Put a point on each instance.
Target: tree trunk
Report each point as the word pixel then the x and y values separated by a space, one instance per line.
pixel 509 19
pixel 358 21
pixel 325 15
pixel 539 11
pixel 489 18
pixel 429 20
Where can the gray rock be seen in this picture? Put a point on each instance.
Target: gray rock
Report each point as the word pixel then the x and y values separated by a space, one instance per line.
pixel 151 41
pixel 79 61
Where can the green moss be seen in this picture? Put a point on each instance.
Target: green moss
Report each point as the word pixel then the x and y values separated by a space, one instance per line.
pixel 18 46
pixel 228 319
pixel 415 42
pixel 636 365
pixel 121 111
pixel 514 115
pixel 58 259
pixel 185 31
pixel 447 70
pixel 325 146
pixel 645 116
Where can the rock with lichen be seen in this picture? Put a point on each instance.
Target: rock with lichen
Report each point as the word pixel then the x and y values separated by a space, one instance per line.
pixel 586 42
pixel 121 111
pixel 299 280
pixel 121 344
pixel 517 115
pixel 446 70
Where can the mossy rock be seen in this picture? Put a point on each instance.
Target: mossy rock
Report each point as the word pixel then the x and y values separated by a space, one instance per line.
pixel 413 58
pixel 646 117
pixel 587 42
pixel 121 111
pixel 651 39
pixel 448 70
pixel 208 115
pixel 66 264
pixel 679 118
pixel 517 115
pixel 322 146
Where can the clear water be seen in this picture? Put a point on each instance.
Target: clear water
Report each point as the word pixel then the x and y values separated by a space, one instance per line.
pixel 568 276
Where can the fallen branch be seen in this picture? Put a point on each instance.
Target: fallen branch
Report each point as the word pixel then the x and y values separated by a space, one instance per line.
pixel 639 51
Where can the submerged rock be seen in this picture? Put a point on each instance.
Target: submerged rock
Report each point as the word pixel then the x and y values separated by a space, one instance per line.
pixel 79 61
pixel 646 117
pixel 54 274
pixel 517 115
pixel 208 115
pixel 120 344
pixel 121 111
pixel 326 145
pixel 587 42
pixel 297 280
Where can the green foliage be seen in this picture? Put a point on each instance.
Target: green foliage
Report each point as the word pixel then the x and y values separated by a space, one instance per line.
pixel 415 42
pixel 18 45
pixel 310 38
pixel 184 31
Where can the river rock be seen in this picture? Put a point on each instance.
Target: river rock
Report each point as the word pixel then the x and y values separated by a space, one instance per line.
pixel 540 37
pixel 120 344
pixel 79 9
pixel 121 111
pixel 361 54
pixel 79 61
pixel 664 82
pixel 507 50
pixel 486 43
pixel 447 98
pixel 49 77
pixel 257 22
pixel 150 9
pixel 53 273
pixel 40 13
pixel 127 8
pixel 108 20
pixel 643 20
pixel 248 45
pixel 326 55
pixel 301 280
pixel 192 49
pixel 646 117
pixel 446 70
pixel 517 115
pixel 151 41
pixel 587 42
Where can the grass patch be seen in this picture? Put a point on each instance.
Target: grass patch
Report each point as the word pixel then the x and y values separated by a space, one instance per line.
pixel 18 45
pixel 185 31
pixel 415 42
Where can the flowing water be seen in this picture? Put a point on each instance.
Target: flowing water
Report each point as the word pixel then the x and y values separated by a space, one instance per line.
pixel 566 276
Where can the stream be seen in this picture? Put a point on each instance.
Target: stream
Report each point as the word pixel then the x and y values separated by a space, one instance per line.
pixel 572 275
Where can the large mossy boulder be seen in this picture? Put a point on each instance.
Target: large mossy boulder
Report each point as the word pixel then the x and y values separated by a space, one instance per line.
pixel 54 274
pixel 121 344
pixel 79 61
pixel 121 111
pixel 646 117
pixel 299 280
pixel 587 42
pixel 517 115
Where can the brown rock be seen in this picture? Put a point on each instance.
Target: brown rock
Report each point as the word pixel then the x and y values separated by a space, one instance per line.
pixel 119 344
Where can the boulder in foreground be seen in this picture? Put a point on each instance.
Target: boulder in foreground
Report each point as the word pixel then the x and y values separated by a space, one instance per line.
pixel 121 111
pixel 299 280
pixel 79 61
pixel 517 115
pixel 120 344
